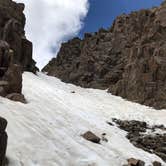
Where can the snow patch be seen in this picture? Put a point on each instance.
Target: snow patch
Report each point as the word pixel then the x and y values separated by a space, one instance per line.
pixel 47 131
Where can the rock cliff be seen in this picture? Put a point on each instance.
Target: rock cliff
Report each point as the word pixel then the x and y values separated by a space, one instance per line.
pixel 128 59
pixel 15 57
pixel 15 49
pixel 12 35
pixel 3 141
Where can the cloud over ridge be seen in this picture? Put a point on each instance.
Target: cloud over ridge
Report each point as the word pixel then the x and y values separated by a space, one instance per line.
pixel 49 22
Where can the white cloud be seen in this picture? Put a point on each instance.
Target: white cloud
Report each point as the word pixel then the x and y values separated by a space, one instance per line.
pixel 49 22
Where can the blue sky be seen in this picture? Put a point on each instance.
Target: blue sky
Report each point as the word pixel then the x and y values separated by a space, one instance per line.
pixel 103 12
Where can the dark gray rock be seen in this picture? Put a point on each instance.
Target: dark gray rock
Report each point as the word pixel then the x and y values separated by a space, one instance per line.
pixel 135 162
pixel 16 97
pixel 3 141
pixel 91 137
pixel 3 124
pixel 156 163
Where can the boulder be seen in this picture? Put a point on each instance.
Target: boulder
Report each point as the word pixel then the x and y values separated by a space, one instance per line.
pixel 16 97
pixel 135 162
pixel 156 163
pixel 91 137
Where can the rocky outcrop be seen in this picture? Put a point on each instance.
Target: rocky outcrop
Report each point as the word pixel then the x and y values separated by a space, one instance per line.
pixel 12 36
pixel 152 141
pixel 129 58
pixel 15 49
pixel 3 141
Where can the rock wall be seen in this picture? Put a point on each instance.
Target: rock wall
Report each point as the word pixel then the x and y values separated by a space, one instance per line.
pixel 129 58
pixel 15 49
pixel 3 141
pixel 12 35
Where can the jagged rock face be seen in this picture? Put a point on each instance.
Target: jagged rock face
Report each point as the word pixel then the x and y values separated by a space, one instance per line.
pixel 3 141
pixel 12 22
pixel 129 58
pixel 15 49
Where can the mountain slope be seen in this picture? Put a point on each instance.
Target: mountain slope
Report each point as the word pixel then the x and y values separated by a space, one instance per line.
pixel 128 58
pixel 47 131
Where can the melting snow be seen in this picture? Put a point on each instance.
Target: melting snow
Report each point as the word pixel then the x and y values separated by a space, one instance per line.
pixel 46 131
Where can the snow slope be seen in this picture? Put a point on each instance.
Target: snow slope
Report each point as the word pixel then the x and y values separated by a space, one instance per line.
pixel 46 131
